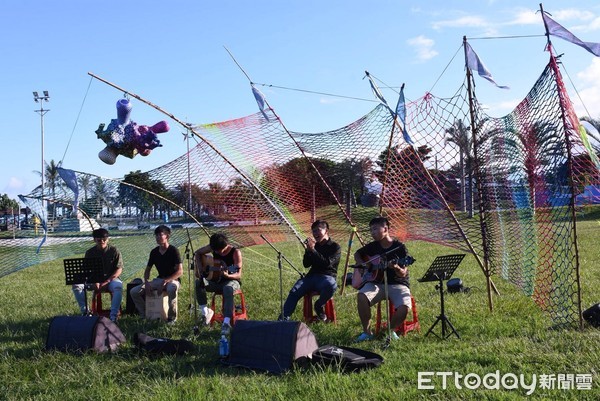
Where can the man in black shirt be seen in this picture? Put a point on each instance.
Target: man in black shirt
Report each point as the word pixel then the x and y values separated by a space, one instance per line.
pixel 372 291
pixel 322 255
pixel 168 262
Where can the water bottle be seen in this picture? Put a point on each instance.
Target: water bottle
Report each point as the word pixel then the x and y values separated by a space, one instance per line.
pixel 223 346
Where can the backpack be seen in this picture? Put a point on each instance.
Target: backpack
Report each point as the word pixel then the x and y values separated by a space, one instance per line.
pixel 348 359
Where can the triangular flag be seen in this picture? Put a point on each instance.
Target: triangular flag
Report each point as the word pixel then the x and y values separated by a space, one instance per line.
pixel 260 99
pixel 556 29
pixel 474 63
pixel 401 114
pixel 377 93
pixel 70 180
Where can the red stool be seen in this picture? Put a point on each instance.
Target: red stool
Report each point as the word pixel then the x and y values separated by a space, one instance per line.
pixel 406 326
pixel 308 308
pixel 97 304
pixel 241 314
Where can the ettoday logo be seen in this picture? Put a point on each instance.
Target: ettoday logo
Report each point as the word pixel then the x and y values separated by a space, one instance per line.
pixel 506 381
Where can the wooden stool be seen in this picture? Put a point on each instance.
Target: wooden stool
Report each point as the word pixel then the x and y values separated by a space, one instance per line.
pixel 308 308
pixel 241 314
pixel 406 326
pixel 97 304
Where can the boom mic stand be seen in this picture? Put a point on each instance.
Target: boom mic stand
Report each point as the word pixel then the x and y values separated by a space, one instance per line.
pixel 280 257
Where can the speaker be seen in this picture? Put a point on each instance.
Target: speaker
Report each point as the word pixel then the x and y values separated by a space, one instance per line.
pixel 81 333
pixel 270 346
pixel 592 315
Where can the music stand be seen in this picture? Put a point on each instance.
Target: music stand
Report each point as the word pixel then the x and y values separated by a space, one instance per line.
pixel 83 271
pixel 442 269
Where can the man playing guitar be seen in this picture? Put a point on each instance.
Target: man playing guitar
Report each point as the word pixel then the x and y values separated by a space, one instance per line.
pixel 375 255
pixel 223 276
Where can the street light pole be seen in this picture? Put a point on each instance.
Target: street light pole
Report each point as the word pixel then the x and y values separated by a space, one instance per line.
pixel 41 99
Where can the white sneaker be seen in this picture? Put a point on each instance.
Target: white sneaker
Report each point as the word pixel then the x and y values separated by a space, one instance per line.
pixel 208 316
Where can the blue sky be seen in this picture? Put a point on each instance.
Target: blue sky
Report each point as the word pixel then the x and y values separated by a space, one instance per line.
pixel 172 53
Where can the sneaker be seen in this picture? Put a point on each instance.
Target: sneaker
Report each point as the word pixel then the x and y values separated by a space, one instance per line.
pixel 394 336
pixel 207 317
pixel 322 317
pixel 364 337
pixel 171 322
pixel 283 318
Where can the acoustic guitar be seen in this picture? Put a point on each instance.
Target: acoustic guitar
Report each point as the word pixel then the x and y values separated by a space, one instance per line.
pixel 212 270
pixel 373 272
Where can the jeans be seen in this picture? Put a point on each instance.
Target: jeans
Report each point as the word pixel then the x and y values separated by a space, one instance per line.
pixel 115 287
pixel 320 283
pixel 227 287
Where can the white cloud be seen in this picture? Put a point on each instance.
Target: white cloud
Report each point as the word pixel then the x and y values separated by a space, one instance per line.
pixel 329 100
pixel 15 183
pixel 590 94
pixel 423 46
pixel 572 14
pixel 14 187
pixel 462 22
pixel 525 16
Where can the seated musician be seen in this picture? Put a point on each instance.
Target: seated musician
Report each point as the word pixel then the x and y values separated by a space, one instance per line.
pixel 169 265
pixel 322 255
pixel 371 289
pixel 222 274
pixel 112 263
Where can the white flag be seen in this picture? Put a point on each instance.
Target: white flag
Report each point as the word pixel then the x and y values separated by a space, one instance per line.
pixel 556 29
pixel 474 63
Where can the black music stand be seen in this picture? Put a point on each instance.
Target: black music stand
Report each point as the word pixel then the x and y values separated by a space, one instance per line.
pixel 83 271
pixel 442 269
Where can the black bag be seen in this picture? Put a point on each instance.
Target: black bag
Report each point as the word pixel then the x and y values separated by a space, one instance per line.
pixel 592 315
pixel 348 359
pixel 163 346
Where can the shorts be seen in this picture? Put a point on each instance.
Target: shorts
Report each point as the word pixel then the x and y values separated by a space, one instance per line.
pixel 399 294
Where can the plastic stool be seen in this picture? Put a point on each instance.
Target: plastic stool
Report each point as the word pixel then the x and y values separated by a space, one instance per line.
pixel 97 304
pixel 308 308
pixel 241 314
pixel 406 326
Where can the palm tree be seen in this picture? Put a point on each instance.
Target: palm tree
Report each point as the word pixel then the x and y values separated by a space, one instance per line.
pixel 53 181
pixel 85 181
pixel 595 136
pixel 460 135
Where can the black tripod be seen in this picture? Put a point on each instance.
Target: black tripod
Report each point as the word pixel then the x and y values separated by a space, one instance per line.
pixel 280 257
pixel 442 269
pixel 84 271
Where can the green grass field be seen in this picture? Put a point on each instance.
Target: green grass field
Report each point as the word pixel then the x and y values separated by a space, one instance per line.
pixel 515 338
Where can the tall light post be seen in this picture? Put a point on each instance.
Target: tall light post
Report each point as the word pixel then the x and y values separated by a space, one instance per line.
pixel 41 99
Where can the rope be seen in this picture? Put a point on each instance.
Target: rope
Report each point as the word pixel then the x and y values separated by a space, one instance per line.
pixel 316 93
pixel 76 121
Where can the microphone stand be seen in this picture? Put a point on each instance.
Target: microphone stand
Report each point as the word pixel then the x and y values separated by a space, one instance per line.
pixel 280 257
pixel 192 305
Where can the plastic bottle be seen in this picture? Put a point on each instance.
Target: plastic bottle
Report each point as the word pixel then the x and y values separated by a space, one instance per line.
pixel 223 347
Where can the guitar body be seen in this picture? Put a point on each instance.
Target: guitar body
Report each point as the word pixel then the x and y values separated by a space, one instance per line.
pixel 212 270
pixel 375 269
pixel 369 273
